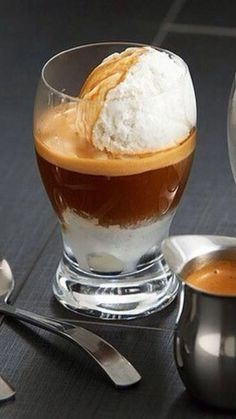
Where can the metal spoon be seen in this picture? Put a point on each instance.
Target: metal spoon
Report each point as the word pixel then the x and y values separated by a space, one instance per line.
pixel 118 368
pixel 6 389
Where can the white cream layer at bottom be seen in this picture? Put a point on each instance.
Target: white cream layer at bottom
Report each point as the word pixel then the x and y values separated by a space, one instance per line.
pixel 111 249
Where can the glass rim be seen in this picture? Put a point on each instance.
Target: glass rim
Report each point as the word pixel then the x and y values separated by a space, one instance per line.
pixel 70 98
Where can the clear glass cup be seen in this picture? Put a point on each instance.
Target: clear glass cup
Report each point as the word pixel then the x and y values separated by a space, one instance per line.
pixel 231 128
pixel 113 215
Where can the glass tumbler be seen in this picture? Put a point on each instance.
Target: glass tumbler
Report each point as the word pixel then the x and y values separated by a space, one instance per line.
pixel 113 212
pixel 231 128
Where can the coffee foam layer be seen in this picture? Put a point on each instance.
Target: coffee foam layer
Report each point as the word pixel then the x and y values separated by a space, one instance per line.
pixel 143 102
pixel 58 141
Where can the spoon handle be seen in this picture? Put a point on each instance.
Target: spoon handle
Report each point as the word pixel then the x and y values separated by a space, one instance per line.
pixel 115 365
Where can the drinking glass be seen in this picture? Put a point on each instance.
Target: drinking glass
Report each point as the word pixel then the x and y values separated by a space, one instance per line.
pixel 113 216
pixel 231 128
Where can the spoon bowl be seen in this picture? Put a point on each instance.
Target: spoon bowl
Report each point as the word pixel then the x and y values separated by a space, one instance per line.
pixel 7 282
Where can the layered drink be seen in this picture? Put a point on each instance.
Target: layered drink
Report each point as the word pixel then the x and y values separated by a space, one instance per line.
pixel 115 159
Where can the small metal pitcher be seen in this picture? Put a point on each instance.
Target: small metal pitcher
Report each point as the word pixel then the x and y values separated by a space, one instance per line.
pixel 205 332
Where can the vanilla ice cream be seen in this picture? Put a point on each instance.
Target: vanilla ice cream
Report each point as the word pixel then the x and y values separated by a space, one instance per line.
pixel 147 101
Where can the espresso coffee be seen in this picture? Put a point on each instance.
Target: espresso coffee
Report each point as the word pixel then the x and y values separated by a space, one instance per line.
pixel 115 202
pixel 124 192
pixel 217 277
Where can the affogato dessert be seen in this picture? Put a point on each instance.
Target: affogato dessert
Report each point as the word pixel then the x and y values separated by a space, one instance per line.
pixel 115 160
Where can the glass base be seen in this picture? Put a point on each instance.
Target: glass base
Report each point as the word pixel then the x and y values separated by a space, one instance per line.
pixel 114 297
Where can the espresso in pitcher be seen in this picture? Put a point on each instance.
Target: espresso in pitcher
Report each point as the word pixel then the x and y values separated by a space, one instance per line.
pixel 217 277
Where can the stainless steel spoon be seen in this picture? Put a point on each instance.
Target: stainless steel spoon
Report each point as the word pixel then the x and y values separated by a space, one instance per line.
pixel 6 389
pixel 118 368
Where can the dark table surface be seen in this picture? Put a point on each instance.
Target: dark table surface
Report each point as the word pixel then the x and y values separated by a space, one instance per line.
pixel 52 378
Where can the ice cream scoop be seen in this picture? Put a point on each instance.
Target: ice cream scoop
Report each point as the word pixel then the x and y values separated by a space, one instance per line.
pixel 142 101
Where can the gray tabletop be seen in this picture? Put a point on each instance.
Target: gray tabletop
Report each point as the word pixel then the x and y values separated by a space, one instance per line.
pixel 53 379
